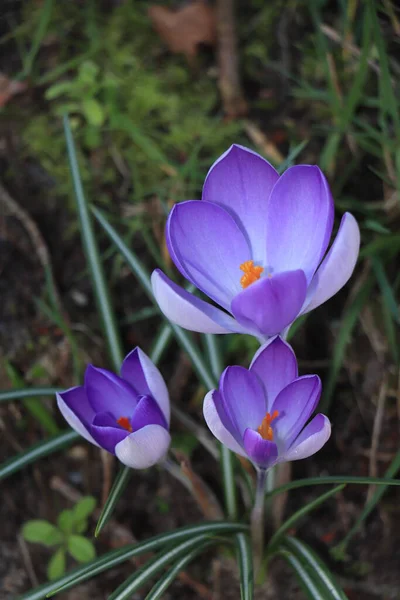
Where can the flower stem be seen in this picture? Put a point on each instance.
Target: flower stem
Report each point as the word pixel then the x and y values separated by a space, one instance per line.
pixel 257 519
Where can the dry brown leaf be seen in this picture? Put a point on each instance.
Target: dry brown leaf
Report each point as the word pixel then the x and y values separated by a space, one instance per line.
pixel 184 29
pixel 9 88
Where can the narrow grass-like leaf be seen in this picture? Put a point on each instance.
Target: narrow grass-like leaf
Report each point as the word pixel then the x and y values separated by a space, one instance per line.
pixel 393 469
pixel 154 566
pixel 332 479
pixel 37 451
pixel 165 581
pixel 19 394
pixel 314 575
pixel 386 289
pixel 348 323
pixel 38 37
pixel 116 557
pixel 100 287
pixel 245 561
pixel 304 510
pixel 119 485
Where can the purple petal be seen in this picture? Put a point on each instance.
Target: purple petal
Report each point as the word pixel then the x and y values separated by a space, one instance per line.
pixel 276 365
pixel 142 374
pixel 300 220
pixel 271 303
pixel 76 410
pixel 261 452
pixel 311 439
pixel 216 426
pixel 242 401
pixel 143 448
pixel 106 431
pixel 147 412
pixel 338 265
pixel 295 404
pixel 241 181
pixel 107 392
pixel 208 247
pixel 188 311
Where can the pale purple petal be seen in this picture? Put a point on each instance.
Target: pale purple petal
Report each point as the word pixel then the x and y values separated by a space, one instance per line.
pixel 261 452
pixel 216 426
pixel 188 311
pixel 148 412
pixel 311 439
pixel 241 181
pixel 276 365
pixel 300 220
pixel 295 404
pixel 138 370
pixel 243 400
pixel 76 410
pixel 208 247
pixel 338 265
pixel 271 303
pixel 108 392
pixel 106 431
pixel 143 448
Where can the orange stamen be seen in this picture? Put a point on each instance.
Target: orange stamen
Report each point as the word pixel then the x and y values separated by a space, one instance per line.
pixel 265 429
pixel 125 423
pixel 251 273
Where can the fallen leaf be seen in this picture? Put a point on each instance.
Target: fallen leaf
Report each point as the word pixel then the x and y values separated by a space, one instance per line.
pixel 184 29
pixel 9 88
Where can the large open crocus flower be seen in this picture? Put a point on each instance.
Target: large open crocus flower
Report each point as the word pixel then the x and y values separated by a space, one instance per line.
pixel 127 415
pixel 262 413
pixel 254 245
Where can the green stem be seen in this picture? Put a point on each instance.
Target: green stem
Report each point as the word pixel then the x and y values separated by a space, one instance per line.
pixel 257 519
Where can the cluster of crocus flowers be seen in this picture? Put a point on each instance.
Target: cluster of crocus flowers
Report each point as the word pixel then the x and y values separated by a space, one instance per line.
pixel 256 245
pixel 127 416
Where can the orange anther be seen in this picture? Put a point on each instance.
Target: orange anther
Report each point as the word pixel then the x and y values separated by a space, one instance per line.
pixel 251 273
pixel 265 429
pixel 125 423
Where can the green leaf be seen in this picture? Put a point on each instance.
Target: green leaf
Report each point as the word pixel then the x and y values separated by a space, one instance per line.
pixel 8 395
pixel 245 562
pixel 38 37
pixel 37 451
pixel 116 557
pixel 93 112
pixel 314 576
pixel 81 548
pixel 118 487
pixel 56 566
pixel 84 508
pixel 304 510
pixel 165 581
pixel 95 266
pixel 66 521
pixel 42 532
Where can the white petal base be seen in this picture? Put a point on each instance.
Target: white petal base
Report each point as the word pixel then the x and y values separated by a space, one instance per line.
pixel 143 448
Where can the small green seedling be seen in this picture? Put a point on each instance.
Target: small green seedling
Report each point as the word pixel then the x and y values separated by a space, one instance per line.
pixel 66 536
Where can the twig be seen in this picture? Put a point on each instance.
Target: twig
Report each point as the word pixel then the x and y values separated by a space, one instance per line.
pixel 27 561
pixel 259 138
pixel 380 408
pixel 229 82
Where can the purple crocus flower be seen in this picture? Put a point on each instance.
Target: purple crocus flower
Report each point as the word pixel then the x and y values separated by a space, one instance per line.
pixel 254 245
pixel 127 415
pixel 262 413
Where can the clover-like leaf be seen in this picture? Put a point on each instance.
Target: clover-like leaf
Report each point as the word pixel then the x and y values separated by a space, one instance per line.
pixel 56 566
pixel 81 548
pixel 42 532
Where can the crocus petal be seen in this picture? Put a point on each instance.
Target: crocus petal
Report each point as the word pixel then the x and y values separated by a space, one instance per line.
pixel 216 426
pixel 148 412
pixel 300 220
pixel 143 448
pixel 188 311
pixel 311 439
pixel 241 181
pixel 295 404
pixel 338 265
pixel 243 400
pixel 208 247
pixel 261 452
pixel 106 432
pixel 271 303
pixel 76 410
pixel 276 365
pixel 108 392
pixel 138 370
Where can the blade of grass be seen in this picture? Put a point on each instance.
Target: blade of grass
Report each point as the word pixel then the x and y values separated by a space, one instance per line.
pixel 93 258
pixel 346 479
pixel 37 451
pixel 245 561
pixel 19 394
pixel 38 37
